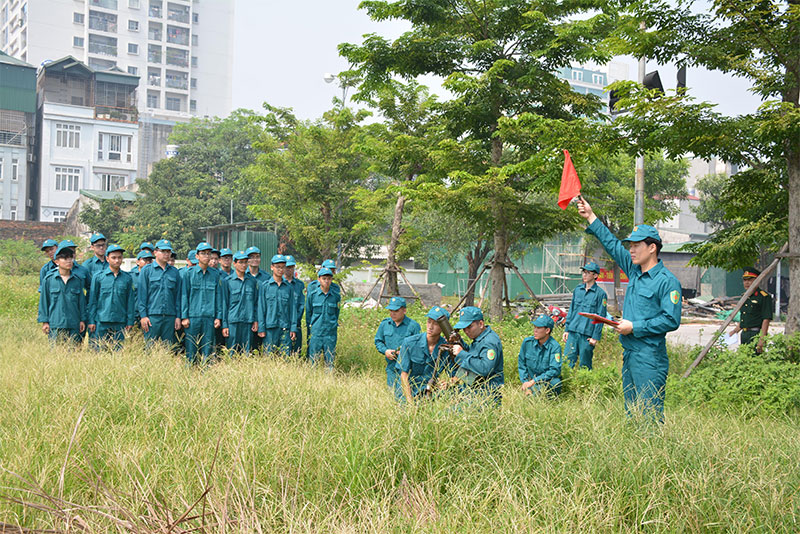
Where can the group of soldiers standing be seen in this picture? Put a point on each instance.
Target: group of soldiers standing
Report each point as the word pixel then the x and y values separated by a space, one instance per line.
pixel 220 298
pixel 224 298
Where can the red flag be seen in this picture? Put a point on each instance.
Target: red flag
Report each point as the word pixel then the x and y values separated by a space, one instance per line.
pixel 570 183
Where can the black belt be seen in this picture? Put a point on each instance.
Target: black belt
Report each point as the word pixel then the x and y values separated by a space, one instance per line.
pixel 754 329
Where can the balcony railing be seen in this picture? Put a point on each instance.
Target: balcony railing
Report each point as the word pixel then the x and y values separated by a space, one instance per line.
pixel 108 4
pixel 155 12
pixel 155 35
pixel 103 25
pixel 155 81
pixel 178 60
pixel 154 57
pixel 103 49
pixel 109 113
pixel 178 16
pixel 177 83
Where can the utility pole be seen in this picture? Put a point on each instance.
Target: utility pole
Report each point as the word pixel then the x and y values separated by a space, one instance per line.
pixel 638 200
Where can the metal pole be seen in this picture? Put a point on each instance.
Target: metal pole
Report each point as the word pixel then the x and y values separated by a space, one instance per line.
pixel 638 200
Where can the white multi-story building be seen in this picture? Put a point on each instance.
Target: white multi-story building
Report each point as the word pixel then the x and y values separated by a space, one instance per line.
pixel 87 133
pixel 182 51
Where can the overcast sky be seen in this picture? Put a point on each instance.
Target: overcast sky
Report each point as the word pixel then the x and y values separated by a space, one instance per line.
pixel 283 49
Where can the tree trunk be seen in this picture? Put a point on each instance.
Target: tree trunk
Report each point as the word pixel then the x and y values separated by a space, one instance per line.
pixel 793 314
pixel 475 259
pixel 498 274
pixel 391 260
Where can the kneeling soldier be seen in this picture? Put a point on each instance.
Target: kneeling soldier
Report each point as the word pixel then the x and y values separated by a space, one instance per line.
pixel 62 303
pixel 484 356
pixel 240 294
pixel 322 310
pixel 111 302
pixel 539 361
pixel 419 359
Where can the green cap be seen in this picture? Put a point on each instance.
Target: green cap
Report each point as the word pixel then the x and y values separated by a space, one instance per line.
pixel 468 315
pixel 544 321
pixel 643 231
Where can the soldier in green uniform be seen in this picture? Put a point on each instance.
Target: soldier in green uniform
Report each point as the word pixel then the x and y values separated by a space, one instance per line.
pixel 652 308
pixel 98 262
pixel 483 357
pixel 158 295
pixel 49 248
pixel 240 294
pixel 419 358
pixel 755 314
pixel 539 363
pixel 202 306
pixel 277 324
pixel 322 310
pixel 299 298
pixel 580 335
pixel 254 270
pixel 391 333
pixel 111 302
pixel 62 302
pixel 226 261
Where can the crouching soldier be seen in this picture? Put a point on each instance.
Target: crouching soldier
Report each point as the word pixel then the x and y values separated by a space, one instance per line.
pixel 539 361
pixel 419 359
pixel 484 357
pixel 62 302
pixel 322 310
pixel 240 294
pixel 111 302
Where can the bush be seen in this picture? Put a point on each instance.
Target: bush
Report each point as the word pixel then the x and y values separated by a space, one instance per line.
pixel 20 257
pixel 768 382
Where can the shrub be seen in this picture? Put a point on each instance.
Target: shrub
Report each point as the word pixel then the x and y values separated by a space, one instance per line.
pixel 20 257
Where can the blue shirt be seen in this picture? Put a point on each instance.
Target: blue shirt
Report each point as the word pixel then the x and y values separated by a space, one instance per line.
pixel 241 299
pixel 260 278
pixel 46 269
pixel 416 360
pixel 95 265
pixel 111 299
pixel 275 306
pixel 539 361
pixel 485 358
pixel 298 297
pixel 201 296
pixel 592 301
pixel 62 305
pixel 322 312
pixel 159 291
pixel 652 300
pixel 390 336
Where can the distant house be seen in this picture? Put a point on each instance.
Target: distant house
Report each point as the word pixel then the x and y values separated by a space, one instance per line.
pixel 91 198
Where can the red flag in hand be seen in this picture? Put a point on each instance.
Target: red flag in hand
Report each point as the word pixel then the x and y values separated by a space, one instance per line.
pixel 570 183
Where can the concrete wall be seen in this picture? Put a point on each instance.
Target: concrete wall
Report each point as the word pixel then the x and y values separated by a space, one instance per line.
pixel 431 293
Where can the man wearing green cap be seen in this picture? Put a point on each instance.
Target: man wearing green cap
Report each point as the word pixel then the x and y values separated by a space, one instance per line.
pixel 62 303
pixel 322 311
pixel 145 257
pixel 159 297
pixel 97 262
pixel 277 324
pixel 580 335
pixel 484 356
pixel 298 297
pixel 226 261
pixel 390 336
pixel 255 271
pixel 240 294
pixel 49 248
pixel 111 302
pixel 419 358
pixel 652 308
pixel 756 313
pixel 202 306
pixel 314 284
pixel 539 362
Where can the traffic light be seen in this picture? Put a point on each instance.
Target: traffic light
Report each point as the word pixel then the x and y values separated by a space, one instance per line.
pixel 653 81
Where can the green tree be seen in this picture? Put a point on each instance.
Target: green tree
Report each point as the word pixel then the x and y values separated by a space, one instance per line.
pixel 108 218
pixel 499 58
pixel 307 182
pixel 758 41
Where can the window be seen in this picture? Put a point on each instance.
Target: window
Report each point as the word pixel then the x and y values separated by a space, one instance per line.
pixel 14 170
pixel 78 18
pixel 13 213
pixel 115 147
pixel 100 147
pixel 59 215
pixel 153 53
pixel 577 75
pixel 597 79
pixel 133 48
pixel 152 100
pixel 133 70
pixel 68 135
pixel 1 168
pixel 193 83
pixel 129 144
pixel 133 25
pixel 192 105
pixel 194 40
pixel 77 42
pixel 195 17
pixel 112 182
pixel 67 179
pixel 194 61
pixel 173 103
pixel 133 4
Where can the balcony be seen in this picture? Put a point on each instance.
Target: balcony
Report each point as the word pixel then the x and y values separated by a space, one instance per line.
pixel 176 35
pixel 154 81
pixel 155 35
pixel 177 80
pixel 107 4
pixel 154 54
pixel 155 10
pixel 178 13
pixel 110 113
pixel 178 58
pixel 102 49
pixel 103 24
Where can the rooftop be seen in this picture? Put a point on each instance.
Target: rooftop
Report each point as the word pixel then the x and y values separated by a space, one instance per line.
pixel 8 60
pixel 98 194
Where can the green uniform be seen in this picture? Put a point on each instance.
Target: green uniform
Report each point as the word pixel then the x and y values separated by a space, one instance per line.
pixel 420 364
pixel 63 306
pixel 540 362
pixel 95 265
pixel 484 357
pixel 201 302
pixel 260 277
pixel 241 304
pixel 159 298
pixel 390 336
pixel 299 303
pixel 276 315
pixel 111 307
pixel 322 312
pixel 757 308
pixel 580 328
pixel 653 305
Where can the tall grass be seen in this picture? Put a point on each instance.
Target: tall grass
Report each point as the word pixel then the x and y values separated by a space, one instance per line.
pixel 129 441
